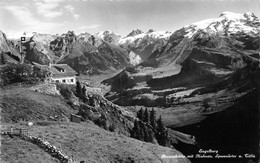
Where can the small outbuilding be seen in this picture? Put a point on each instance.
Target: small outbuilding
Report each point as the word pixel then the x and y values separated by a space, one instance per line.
pixel 75 118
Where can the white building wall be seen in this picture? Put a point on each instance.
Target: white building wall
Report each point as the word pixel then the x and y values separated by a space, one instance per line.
pixel 64 80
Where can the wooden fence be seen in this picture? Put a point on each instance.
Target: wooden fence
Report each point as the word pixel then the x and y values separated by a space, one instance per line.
pixel 15 131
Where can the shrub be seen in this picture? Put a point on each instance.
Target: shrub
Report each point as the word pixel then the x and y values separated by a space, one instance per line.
pixel 112 128
pixel 22 73
pixel 102 122
pixel 205 103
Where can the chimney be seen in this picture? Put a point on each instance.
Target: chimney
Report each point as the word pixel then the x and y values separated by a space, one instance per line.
pixel 49 64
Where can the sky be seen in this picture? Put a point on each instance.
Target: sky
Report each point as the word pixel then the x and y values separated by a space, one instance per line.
pixel 120 16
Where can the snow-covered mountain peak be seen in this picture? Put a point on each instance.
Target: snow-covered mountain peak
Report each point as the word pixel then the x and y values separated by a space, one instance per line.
pixel 135 32
pixel 227 22
pixel 148 35
pixel 144 44
pixel 103 34
pixel 238 17
pixel 231 15
pixel 43 38
pixel 160 34
pixel 150 31
pixel 83 34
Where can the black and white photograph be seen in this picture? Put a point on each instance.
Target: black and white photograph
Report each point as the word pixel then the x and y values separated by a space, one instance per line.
pixel 129 81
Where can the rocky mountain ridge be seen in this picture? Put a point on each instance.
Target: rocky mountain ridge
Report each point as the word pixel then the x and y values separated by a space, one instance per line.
pixel 160 48
pixel 137 42
pixel 97 53
pixel 9 53
pixel 144 44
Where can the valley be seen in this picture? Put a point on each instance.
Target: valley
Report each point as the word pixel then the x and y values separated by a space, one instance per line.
pixel 102 97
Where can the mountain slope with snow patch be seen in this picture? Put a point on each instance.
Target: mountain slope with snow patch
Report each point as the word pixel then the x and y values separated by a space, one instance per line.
pixel 144 44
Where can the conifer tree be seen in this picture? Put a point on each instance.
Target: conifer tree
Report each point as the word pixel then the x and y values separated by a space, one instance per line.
pixel 166 140
pixel 141 133
pixel 161 134
pixel 150 136
pixel 84 94
pixel 136 130
pixel 146 116
pixel 152 119
pixel 140 114
pixel 159 124
pixel 78 89
pixel 91 101
pixel 145 130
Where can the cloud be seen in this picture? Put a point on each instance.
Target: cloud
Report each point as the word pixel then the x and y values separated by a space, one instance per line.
pixel 71 10
pixel 93 26
pixel 28 22
pixel 76 16
pixel 49 8
pixel 54 8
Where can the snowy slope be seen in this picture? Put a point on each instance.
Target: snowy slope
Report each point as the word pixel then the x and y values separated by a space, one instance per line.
pixel 154 35
pixel 108 36
pixel 227 23
pixel 103 34
pixel 134 58
pixel 144 44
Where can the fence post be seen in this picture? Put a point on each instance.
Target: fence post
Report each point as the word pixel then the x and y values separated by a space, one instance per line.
pixel 12 130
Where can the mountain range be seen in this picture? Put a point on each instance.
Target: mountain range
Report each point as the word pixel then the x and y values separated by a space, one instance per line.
pixel 195 55
pixel 156 65
pixel 197 79
pixel 92 53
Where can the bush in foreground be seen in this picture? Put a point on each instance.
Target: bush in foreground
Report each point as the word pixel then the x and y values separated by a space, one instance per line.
pixel 22 73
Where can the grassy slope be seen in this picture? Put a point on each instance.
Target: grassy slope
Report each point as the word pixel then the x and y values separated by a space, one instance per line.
pixel 88 142
pixel 21 104
pixel 84 141
pixel 16 150
pixel 95 80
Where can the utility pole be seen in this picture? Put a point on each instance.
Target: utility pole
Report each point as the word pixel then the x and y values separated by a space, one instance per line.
pixel 21 50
